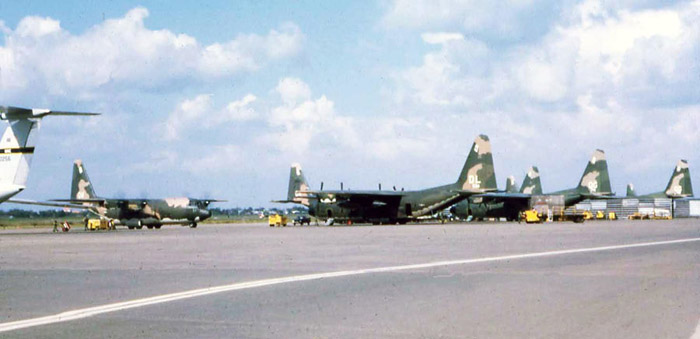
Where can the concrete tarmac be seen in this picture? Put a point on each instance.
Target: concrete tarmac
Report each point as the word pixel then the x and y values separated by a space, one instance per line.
pixel 643 292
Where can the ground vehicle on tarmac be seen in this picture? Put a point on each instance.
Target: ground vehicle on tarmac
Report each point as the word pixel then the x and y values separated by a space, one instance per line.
pixel 277 220
pixel 98 224
pixel 301 220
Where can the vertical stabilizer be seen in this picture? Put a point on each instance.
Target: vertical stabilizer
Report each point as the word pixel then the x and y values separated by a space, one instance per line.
pixel 595 179
pixel 532 183
pixel 679 186
pixel 511 186
pixel 297 185
pixel 630 191
pixel 478 172
pixel 81 187
pixel 16 151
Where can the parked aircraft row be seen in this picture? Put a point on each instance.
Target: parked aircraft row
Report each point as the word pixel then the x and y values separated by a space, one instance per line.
pixel 16 150
pixel 474 194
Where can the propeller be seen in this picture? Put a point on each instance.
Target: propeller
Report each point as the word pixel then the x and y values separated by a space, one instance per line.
pixel 380 186
pixel 341 185
pixel 321 186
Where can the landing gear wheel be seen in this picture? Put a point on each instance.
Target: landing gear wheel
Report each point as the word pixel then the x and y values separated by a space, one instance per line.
pixel 150 227
pixel 131 227
pixel 193 225
pixel 157 227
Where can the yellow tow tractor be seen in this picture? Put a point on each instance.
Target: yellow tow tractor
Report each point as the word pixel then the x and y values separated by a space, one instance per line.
pixel 98 224
pixel 278 220
pixel 532 217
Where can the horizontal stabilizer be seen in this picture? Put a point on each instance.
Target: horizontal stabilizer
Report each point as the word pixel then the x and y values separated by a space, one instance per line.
pixel 283 201
pixel 471 192
pixel 13 113
pixel 599 196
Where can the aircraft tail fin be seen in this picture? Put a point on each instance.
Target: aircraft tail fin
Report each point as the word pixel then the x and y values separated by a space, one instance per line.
pixel 81 187
pixel 18 142
pixel 16 151
pixel 511 186
pixel 680 186
pixel 595 179
pixel 478 172
pixel 630 191
pixel 532 183
pixel 297 184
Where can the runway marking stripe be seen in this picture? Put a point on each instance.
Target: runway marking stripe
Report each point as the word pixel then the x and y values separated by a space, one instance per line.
pixel 696 335
pixel 120 306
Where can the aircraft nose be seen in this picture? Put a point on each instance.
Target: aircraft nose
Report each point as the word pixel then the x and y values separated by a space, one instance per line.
pixel 204 214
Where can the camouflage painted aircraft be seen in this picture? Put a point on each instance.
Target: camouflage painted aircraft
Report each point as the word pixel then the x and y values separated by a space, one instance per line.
pixel 594 184
pixel 511 186
pixel 477 208
pixel 135 213
pixel 392 207
pixel 17 145
pixel 679 186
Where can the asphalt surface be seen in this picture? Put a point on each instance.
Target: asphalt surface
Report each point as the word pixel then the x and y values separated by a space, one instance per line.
pixel 644 292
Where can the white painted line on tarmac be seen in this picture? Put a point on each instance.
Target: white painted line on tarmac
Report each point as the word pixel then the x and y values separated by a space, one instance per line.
pixel 696 335
pixel 120 306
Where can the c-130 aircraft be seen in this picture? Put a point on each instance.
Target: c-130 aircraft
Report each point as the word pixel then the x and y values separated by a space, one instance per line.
pixel 391 207
pixel 135 213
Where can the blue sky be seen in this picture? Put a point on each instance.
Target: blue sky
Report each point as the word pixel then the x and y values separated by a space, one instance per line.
pixel 217 99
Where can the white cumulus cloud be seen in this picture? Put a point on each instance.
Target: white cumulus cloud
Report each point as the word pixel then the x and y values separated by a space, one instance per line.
pixel 40 56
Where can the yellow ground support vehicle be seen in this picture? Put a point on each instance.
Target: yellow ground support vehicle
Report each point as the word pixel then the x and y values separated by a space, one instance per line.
pixel 98 224
pixel 278 220
pixel 662 215
pixel 600 215
pixel 587 215
pixel 612 216
pixel 532 217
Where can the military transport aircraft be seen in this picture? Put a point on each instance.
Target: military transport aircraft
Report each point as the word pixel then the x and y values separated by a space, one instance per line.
pixel 17 145
pixel 135 213
pixel 594 184
pixel 500 208
pixel 392 207
pixel 679 186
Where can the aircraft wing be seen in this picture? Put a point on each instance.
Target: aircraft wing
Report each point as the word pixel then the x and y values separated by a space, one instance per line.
pixel 502 196
pixel 358 193
pixel 82 201
pixel 47 203
pixel 360 199
pixel 204 203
